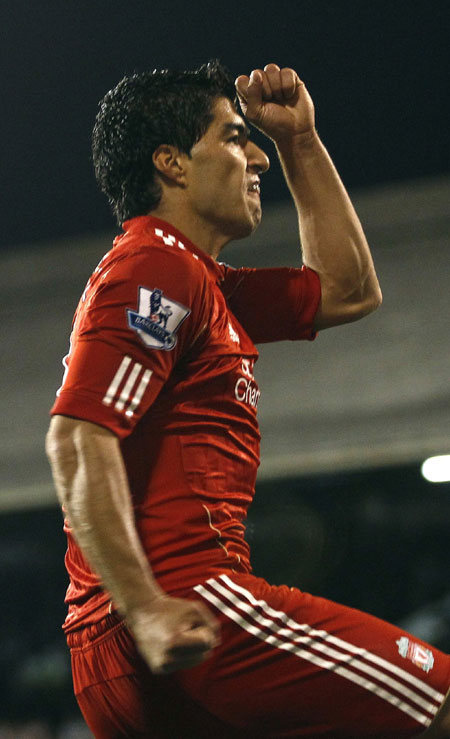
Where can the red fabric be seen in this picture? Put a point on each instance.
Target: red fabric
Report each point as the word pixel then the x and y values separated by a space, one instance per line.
pixel 162 354
pixel 120 698
pixel 289 665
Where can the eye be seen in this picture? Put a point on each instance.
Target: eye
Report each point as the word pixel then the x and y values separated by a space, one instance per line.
pixel 235 139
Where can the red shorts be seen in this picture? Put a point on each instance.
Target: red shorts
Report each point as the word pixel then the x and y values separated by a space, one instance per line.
pixel 289 665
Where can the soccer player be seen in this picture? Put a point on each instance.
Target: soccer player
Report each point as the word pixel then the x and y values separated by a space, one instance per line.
pixel 154 442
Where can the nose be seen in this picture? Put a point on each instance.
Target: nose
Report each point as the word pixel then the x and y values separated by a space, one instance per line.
pixel 257 160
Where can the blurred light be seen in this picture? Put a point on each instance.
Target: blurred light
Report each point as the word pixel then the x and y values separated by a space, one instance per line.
pixel 437 469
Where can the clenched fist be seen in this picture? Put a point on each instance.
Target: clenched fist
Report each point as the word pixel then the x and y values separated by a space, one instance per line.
pixel 277 102
pixel 174 633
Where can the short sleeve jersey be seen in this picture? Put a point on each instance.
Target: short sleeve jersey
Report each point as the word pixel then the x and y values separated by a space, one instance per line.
pixel 162 353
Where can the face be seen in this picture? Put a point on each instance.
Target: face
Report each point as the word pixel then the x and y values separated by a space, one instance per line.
pixel 223 175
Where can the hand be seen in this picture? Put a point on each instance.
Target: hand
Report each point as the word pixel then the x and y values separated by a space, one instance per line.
pixel 174 634
pixel 277 102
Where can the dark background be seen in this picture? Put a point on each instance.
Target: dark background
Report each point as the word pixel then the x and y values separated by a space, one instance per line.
pixel 378 73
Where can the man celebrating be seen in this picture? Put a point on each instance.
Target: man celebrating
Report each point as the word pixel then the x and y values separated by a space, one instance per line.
pixel 154 442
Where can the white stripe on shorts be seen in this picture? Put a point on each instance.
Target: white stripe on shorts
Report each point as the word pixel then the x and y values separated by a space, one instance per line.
pixel 323 649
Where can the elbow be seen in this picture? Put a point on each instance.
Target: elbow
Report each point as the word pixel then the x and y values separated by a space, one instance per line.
pixel 361 300
pixel 375 294
pixel 364 307
pixel 335 311
pixel 374 299
pixel 371 303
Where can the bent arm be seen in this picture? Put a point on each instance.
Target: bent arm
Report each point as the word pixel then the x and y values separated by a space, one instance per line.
pixel 92 485
pixel 277 102
pixel 333 241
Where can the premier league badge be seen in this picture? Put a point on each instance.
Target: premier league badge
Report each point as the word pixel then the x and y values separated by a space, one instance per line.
pixel 157 318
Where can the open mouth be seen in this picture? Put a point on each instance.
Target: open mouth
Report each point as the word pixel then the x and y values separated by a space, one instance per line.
pixel 254 188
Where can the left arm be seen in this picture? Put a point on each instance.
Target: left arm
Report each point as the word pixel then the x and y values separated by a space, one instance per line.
pixel 333 242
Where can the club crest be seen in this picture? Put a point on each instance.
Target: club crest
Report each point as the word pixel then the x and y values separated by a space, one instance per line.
pixel 419 655
pixel 157 318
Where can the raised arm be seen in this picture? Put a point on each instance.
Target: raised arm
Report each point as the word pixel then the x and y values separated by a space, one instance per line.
pixel 92 486
pixel 333 243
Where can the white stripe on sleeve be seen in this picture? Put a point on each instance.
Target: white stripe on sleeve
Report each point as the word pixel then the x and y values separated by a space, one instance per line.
pixel 128 386
pixel 117 379
pixel 139 392
pixel 126 392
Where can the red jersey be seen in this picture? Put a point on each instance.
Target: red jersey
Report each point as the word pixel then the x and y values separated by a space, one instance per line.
pixel 162 354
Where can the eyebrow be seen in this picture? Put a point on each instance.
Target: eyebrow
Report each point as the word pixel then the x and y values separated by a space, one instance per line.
pixel 241 128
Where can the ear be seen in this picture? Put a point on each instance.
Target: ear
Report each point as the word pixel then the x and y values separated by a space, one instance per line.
pixel 169 162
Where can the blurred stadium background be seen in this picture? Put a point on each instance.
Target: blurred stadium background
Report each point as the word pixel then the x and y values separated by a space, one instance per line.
pixel 341 508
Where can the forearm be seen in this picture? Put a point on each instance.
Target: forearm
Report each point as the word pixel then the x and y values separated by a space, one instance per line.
pixel 92 485
pixel 91 481
pixel 333 241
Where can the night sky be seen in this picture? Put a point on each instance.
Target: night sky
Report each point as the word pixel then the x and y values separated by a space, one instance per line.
pixel 377 71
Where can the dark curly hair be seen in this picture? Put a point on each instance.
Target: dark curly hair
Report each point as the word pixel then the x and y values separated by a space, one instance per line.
pixel 142 112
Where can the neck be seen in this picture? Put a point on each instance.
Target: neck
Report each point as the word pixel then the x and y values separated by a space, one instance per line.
pixel 204 235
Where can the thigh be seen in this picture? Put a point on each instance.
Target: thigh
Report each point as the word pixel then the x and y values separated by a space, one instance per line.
pixel 291 664
pixel 121 699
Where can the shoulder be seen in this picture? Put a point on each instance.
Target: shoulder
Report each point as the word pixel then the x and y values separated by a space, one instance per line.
pixel 131 273
pixel 149 260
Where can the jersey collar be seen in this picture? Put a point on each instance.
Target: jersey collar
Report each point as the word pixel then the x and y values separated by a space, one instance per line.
pixel 151 226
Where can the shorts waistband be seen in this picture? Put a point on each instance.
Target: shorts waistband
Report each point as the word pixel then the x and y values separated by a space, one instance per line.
pixel 87 635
